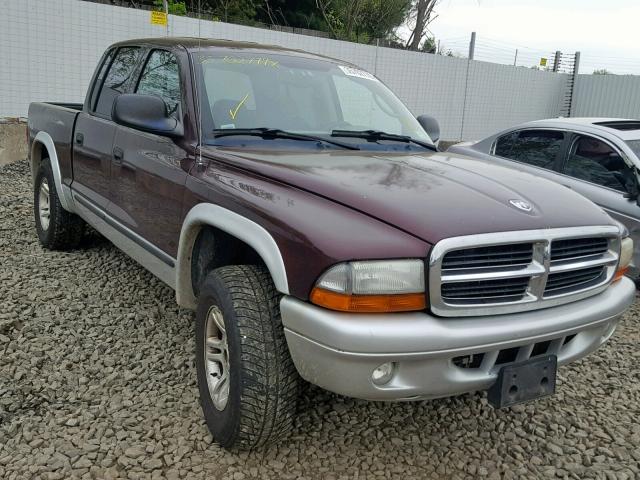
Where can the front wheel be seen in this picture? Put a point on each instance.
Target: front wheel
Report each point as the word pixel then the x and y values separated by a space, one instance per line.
pixel 247 381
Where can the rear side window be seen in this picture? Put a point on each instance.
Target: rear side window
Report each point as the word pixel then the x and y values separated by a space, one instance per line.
pixel 539 148
pixel 505 143
pixel 160 77
pixel 116 79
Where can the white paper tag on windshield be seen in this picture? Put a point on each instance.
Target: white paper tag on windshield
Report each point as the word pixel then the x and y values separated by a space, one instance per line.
pixel 356 72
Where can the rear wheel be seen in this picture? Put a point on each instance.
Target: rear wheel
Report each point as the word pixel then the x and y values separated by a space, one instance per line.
pixel 247 381
pixel 57 228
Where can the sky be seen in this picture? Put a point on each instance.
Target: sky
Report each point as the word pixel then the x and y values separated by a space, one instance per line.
pixel 607 33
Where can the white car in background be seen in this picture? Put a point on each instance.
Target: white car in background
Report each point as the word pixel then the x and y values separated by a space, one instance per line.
pixel 597 157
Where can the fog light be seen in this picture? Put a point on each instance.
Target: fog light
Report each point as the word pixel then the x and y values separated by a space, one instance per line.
pixel 383 373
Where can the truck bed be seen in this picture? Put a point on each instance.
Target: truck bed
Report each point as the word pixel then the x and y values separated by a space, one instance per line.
pixel 58 121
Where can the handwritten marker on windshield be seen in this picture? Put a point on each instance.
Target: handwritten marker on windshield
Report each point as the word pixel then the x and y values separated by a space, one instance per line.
pixel 233 113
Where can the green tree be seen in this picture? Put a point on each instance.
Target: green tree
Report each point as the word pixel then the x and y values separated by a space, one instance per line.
pixel 175 7
pixel 601 71
pixel 418 18
pixel 362 20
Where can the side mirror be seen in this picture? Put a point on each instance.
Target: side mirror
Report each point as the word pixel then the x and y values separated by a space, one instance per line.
pixel 145 112
pixel 431 126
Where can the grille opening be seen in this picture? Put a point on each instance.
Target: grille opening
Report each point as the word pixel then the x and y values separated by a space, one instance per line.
pixel 494 256
pixel 473 360
pixel 562 282
pixel 568 338
pixel 540 348
pixel 575 248
pixel 508 355
pixel 485 291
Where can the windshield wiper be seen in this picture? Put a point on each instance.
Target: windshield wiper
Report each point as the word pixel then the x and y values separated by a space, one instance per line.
pixel 272 133
pixel 375 135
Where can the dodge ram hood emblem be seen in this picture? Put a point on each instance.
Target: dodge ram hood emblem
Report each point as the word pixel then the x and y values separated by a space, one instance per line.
pixel 521 205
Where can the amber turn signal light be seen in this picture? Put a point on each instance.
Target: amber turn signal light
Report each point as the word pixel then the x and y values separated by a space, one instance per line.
pixel 620 273
pixel 403 302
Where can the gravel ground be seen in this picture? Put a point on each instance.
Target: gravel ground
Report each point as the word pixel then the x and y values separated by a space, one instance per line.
pixel 97 380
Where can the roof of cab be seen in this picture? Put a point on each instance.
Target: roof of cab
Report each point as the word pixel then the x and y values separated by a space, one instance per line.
pixel 193 43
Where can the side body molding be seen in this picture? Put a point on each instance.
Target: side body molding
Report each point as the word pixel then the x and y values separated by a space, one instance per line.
pixel 44 140
pixel 240 227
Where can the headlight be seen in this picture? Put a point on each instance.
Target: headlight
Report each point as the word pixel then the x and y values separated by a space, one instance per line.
pixel 626 255
pixel 372 286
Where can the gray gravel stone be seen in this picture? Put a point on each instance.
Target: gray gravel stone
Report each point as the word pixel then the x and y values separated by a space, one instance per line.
pixel 97 380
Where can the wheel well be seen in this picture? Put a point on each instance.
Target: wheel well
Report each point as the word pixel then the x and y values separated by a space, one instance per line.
pixel 38 153
pixel 215 248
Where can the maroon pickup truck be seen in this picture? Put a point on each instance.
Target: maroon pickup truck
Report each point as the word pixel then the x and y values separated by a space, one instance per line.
pixel 307 217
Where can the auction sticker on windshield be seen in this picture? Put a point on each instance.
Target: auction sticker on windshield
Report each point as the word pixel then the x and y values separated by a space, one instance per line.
pixel 356 72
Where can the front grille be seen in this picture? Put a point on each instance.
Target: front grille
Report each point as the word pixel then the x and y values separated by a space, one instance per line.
pixel 492 360
pixel 485 291
pixel 516 271
pixel 577 248
pixel 494 256
pixel 562 282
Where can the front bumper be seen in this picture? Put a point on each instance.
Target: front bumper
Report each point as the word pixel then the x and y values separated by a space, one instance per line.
pixel 339 351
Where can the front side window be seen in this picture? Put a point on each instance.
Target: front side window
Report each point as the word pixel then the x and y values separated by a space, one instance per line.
pixel 597 162
pixel 116 79
pixel 97 84
pixel 240 90
pixel 160 77
pixel 539 148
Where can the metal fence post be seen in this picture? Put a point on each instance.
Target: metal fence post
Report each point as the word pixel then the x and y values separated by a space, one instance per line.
pixel 472 45
pixel 574 80
pixel 165 4
pixel 556 60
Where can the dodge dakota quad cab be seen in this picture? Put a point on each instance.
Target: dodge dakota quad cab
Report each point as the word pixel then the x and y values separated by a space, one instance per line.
pixel 299 208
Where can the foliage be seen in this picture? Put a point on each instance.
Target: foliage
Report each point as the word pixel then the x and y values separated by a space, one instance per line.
pixel 361 21
pixel 176 7
pixel 418 18
pixel 429 45
pixel 601 71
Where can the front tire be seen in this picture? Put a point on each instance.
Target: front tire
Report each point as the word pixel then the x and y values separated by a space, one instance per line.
pixel 247 381
pixel 57 228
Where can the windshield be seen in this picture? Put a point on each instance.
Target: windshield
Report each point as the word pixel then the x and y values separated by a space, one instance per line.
pixel 635 146
pixel 295 94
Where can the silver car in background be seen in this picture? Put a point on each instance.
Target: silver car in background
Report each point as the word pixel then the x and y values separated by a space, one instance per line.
pixel 597 157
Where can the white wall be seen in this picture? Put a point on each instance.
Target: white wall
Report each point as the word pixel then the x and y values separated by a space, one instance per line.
pixel 49 48
pixel 607 96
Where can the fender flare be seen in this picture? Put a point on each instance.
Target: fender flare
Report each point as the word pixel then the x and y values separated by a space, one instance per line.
pixel 46 142
pixel 254 235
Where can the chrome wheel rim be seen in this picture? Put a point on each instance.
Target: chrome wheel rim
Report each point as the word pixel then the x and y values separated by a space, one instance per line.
pixel 216 358
pixel 44 204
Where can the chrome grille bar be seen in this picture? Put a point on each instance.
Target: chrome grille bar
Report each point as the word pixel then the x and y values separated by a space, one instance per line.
pixel 539 268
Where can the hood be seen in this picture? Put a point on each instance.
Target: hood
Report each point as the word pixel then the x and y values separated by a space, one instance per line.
pixel 429 195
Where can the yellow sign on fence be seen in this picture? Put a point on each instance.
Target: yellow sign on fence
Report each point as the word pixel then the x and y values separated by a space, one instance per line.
pixel 158 18
pixel 543 62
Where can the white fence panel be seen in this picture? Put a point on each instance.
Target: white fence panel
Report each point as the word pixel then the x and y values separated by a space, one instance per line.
pixel 500 96
pixel 607 96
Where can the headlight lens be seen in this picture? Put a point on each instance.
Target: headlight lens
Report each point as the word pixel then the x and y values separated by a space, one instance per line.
pixel 626 255
pixel 372 286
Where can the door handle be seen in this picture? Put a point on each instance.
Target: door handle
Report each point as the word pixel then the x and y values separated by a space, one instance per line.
pixel 79 138
pixel 118 155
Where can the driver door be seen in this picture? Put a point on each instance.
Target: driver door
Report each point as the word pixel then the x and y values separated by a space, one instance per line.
pixel 149 170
